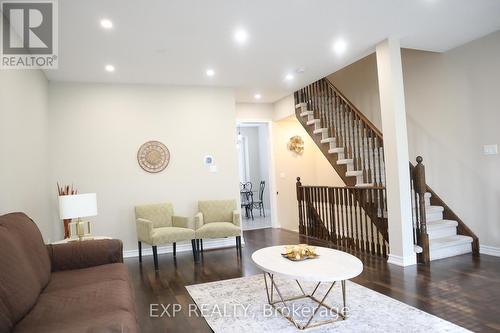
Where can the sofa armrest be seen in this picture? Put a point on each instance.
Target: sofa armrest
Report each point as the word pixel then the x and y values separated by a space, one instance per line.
pixel 198 220
pixel 236 217
pixel 83 254
pixel 144 230
pixel 182 222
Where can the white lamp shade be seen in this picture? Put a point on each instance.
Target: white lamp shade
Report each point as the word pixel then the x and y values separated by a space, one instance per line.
pixel 78 205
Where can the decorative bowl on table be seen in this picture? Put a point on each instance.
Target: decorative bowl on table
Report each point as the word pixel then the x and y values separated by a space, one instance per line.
pixel 299 252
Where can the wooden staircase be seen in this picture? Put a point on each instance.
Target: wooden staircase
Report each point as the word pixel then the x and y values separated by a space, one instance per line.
pixel 354 148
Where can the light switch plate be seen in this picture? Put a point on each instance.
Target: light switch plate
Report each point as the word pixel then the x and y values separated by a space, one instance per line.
pixel 490 149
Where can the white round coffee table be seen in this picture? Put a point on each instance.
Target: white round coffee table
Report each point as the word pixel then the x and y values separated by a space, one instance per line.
pixel 331 266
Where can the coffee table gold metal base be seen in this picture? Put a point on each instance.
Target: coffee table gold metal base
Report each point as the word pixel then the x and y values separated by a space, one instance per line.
pixel 321 302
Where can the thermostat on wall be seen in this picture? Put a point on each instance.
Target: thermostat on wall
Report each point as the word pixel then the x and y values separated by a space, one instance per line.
pixel 209 160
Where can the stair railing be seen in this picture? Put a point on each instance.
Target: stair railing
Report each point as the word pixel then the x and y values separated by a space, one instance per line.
pixel 350 218
pixel 419 184
pixel 361 140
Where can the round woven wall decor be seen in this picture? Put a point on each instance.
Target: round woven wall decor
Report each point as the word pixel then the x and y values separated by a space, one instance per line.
pixel 153 156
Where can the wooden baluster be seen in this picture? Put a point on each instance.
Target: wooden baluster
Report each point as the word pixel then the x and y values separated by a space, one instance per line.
pixel 356 214
pixel 335 118
pixel 365 220
pixel 421 188
pixel 324 103
pixel 329 110
pixel 357 165
pixel 372 224
pixel 339 217
pixel 351 208
pixel 331 212
pixel 344 130
pixel 379 221
pixel 379 173
pixel 346 215
pixel 362 150
pixel 370 155
pixel 321 210
pixel 331 104
pixel 353 136
pixel 298 187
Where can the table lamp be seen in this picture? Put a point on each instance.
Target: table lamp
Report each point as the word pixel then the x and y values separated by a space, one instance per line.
pixel 78 206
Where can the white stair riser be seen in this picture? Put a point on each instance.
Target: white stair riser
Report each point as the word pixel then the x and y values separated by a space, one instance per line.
pixel 450 251
pixel 435 216
pixel 441 232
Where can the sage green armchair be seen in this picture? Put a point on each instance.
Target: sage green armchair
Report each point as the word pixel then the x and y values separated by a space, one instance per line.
pixel 217 219
pixel 157 225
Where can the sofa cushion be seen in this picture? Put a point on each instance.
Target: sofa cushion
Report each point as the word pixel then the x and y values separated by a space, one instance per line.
pixel 25 267
pixel 218 230
pixel 171 235
pixel 159 214
pixel 217 210
pixel 94 299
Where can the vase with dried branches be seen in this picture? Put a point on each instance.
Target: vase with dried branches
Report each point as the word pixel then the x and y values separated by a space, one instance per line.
pixel 66 190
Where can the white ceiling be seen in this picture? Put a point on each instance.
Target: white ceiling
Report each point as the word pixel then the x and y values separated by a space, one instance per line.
pixel 175 41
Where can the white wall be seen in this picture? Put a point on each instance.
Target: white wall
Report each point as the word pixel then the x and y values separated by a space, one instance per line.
pixel 24 146
pixel 96 130
pixel 452 105
pixel 311 166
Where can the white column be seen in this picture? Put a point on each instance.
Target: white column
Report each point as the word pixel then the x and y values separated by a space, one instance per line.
pixel 392 105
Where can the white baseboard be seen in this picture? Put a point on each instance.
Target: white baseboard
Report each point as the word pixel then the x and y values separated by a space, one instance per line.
pixel 489 250
pixel 208 244
pixel 402 261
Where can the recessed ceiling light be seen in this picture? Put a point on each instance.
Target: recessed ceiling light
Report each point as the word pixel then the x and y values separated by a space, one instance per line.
pixel 210 72
pixel 109 68
pixel 339 46
pixel 289 77
pixel 257 96
pixel 106 24
pixel 241 36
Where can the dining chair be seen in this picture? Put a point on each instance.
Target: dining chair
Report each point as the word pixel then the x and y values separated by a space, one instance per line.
pixel 260 203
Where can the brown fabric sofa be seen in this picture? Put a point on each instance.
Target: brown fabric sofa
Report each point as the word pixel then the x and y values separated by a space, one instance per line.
pixel 74 287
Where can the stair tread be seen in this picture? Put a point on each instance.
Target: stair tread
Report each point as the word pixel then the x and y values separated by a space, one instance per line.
pixel 300 105
pixel 345 161
pixel 364 185
pixel 306 113
pixel 438 243
pixel 320 130
pixel 354 173
pixel 432 209
pixel 313 121
pixel 336 150
pixel 327 140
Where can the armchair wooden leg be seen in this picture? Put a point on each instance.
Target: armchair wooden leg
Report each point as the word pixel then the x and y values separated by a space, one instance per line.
pixel 155 257
pixel 238 244
pixel 139 246
pixel 201 244
pixel 175 249
pixel 198 246
pixel 193 245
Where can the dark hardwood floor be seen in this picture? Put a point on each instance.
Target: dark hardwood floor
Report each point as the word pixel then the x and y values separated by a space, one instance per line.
pixel 463 289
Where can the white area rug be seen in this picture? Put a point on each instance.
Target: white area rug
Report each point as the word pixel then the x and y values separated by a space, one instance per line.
pixel 240 306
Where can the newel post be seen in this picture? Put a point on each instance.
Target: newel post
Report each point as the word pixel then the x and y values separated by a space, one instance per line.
pixel 300 200
pixel 421 189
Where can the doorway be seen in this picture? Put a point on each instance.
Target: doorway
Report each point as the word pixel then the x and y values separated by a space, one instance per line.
pixel 255 175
